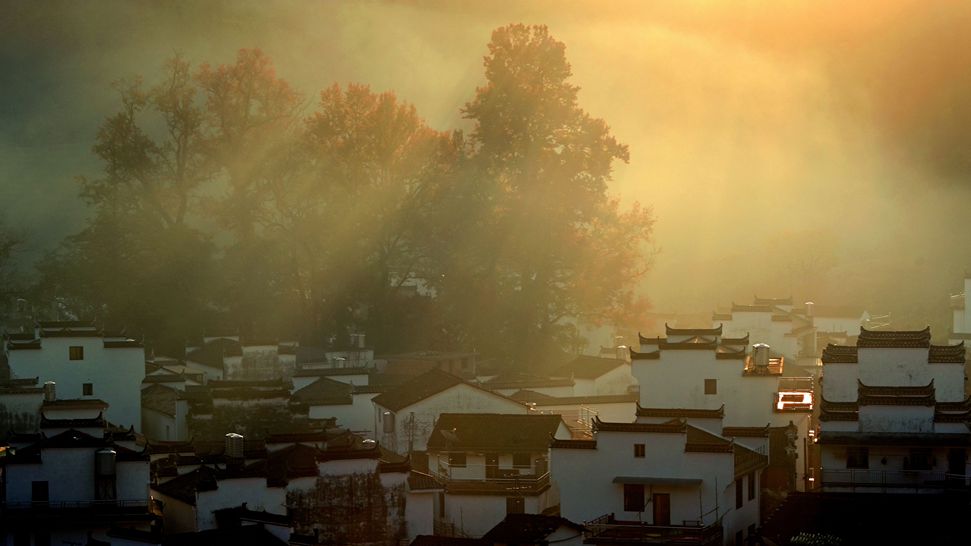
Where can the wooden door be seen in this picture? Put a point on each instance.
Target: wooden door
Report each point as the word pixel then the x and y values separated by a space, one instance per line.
pixel 662 508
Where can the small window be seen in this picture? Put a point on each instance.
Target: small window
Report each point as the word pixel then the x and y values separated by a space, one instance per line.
pixel 857 457
pixel 75 352
pixel 39 491
pixel 87 389
pixel 521 460
pixel 639 450
pixel 711 386
pixel 515 505
pixel 633 497
pixel 739 498
pixel 739 539
pixel 751 486
pixel 456 460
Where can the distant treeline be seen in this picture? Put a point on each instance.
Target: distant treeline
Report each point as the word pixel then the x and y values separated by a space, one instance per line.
pixel 224 205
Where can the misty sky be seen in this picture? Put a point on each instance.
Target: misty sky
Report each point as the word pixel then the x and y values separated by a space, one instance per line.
pixel 760 132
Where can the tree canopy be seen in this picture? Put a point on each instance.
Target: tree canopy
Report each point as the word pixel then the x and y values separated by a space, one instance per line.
pixel 228 202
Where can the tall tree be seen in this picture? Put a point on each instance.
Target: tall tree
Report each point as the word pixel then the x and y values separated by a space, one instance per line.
pixel 556 248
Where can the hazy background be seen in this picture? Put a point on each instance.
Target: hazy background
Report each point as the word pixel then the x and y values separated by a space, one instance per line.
pixel 808 148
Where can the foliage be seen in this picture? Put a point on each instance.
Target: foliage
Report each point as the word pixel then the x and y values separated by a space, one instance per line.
pixel 222 206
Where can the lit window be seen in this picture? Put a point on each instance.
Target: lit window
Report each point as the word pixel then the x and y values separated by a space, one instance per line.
pixel 638 450
pixel 76 352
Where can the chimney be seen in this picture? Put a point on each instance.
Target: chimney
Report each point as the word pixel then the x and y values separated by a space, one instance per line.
pixel 50 391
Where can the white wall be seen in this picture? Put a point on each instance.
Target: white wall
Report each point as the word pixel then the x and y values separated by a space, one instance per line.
pixel 414 424
pixel 357 416
pixel 420 513
pixel 115 373
pixel 585 477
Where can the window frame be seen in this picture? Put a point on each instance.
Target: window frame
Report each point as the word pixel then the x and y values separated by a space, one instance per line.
pixel 75 352
pixel 87 389
pixel 640 451
pixel 751 485
pixel 739 497
pixel 711 386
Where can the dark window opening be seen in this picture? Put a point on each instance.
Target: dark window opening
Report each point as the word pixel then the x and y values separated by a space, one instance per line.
pixel 521 460
pixel 87 389
pixel 515 505
pixel 920 459
pixel 638 450
pixel 739 498
pixel 456 459
pixel 857 457
pixel 75 352
pixel 711 386
pixel 633 497
pixel 751 486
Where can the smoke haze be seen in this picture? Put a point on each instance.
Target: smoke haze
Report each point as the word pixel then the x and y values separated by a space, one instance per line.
pixel 813 149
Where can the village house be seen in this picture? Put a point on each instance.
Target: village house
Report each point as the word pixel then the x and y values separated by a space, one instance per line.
pixel 893 414
pixel 241 358
pixel 85 362
pixel 331 486
pixel 703 370
pixel 792 331
pixel 492 465
pixel 349 404
pixel 405 415
pixel 658 483
pixel 75 479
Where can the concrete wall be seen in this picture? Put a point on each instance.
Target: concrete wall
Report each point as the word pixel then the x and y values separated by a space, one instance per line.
pixel 20 412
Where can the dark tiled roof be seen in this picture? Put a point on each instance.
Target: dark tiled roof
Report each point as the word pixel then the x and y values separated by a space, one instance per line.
pixel 946 354
pixel 672 427
pixel 417 389
pixel 574 444
pixel 324 392
pixel 326 372
pixel 71 439
pixel 211 354
pixel 420 481
pixel 493 431
pixel 540 399
pixel 735 340
pixel 94 422
pixel 527 529
pixel 588 367
pixel 903 339
pixel 294 461
pixel 746 432
pixel 752 308
pixel 840 354
pixel 521 381
pixel 160 398
pixel 696 413
pixel 653 355
pixel 233 516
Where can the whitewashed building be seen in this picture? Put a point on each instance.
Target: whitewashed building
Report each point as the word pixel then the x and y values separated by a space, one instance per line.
pixel 492 465
pixel 72 486
pixel 406 415
pixel 893 415
pixel 84 362
pixel 662 483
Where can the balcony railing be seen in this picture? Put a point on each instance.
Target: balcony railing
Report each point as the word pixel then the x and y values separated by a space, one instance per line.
pixel 893 479
pixel 607 530
pixel 521 485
